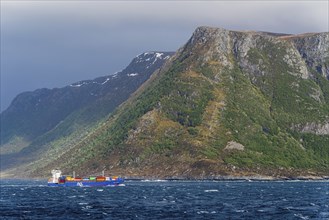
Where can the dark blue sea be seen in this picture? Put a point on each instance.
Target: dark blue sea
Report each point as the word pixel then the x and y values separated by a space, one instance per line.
pixel 167 200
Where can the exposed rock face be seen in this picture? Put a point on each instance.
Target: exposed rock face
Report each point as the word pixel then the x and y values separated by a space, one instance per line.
pixel 243 43
pixel 314 128
pixel 294 60
pixel 215 42
pixel 301 51
pixel 232 145
pixel 314 48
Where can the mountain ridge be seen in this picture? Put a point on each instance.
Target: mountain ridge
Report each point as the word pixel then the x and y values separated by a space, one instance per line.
pixel 55 113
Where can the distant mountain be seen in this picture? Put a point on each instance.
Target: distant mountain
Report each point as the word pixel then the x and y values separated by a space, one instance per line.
pixel 236 103
pixel 36 118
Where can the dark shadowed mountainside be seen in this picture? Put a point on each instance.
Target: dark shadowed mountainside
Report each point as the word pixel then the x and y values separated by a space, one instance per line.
pixel 36 119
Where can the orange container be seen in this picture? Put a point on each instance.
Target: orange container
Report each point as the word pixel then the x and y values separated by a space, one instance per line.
pixel 100 178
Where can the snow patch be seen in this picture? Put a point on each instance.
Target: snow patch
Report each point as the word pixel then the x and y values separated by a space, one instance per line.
pixel 132 74
pixel 107 79
pixel 158 55
pixel 154 56
pixel 78 85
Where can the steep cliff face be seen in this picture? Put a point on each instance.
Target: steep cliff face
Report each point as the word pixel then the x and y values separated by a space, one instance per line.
pixel 227 103
pixel 314 50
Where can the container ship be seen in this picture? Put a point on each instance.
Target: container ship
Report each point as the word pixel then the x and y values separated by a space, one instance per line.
pixel 66 180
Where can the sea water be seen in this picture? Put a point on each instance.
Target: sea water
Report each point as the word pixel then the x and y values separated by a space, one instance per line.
pixel 30 199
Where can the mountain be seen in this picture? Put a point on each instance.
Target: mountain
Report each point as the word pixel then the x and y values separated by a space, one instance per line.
pixel 36 119
pixel 238 103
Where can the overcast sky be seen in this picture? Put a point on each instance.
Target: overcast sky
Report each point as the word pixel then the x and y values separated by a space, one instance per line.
pixel 55 43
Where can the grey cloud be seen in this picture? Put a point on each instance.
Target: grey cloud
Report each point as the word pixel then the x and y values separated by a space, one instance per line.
pixel 54 43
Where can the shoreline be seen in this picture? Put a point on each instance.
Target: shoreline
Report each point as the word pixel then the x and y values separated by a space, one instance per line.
pixel 233 178
pixel 217 178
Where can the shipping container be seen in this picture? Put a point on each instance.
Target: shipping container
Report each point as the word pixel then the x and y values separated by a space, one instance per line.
pixel 100 178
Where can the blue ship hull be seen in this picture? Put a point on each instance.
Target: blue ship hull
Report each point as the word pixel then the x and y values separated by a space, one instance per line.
pixel 87 183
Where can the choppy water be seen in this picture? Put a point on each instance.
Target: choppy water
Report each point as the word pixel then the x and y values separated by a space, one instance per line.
pixel 167 200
